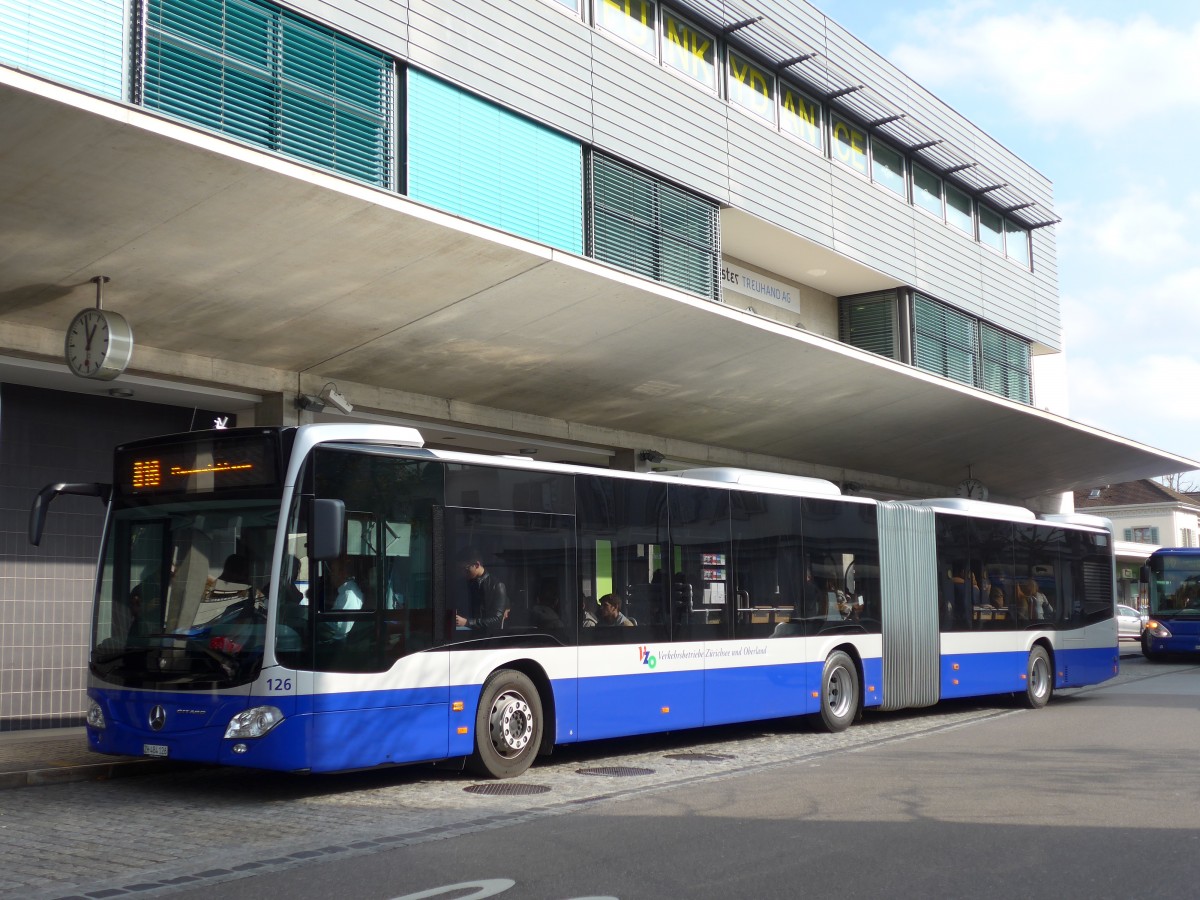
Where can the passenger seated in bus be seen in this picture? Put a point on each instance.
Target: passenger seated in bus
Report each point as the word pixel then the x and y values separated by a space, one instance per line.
pixel 544 614
pixel 966 595
pixel 588 610
pixel 1039 604
pixel 610 611
pixel 486 596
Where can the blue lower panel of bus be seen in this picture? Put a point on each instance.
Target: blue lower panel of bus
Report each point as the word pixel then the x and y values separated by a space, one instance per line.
pixel 329 732
pixel 980 674
pixel 1185 637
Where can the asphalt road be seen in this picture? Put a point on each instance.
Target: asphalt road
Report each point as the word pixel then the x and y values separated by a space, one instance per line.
pixel 1097 796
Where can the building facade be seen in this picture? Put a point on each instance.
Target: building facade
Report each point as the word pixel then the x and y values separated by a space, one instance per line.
pixel 617 232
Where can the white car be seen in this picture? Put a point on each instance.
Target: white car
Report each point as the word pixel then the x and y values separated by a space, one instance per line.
pixel 1130 623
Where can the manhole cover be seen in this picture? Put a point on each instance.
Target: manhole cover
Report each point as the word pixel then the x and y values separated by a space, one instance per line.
pixel 701 757
pixel 615 771
pixel 506 789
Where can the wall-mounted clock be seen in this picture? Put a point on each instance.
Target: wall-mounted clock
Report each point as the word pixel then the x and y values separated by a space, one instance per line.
pixel 972 489
pixel 98 344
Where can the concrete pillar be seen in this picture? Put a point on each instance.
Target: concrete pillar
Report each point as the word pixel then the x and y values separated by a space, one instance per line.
pixel 278 409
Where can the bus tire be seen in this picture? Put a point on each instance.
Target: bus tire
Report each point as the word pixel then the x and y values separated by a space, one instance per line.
pixel 508 726
pixel 839 692
pixel 1039 678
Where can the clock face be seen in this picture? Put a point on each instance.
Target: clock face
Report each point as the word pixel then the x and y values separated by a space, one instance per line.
pixel 972 489
pixel 98 344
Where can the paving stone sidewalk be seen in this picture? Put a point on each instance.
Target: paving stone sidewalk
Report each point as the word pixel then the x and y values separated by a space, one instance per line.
pixel 58 755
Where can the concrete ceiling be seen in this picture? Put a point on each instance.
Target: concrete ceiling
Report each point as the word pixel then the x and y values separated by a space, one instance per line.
pixel 220 251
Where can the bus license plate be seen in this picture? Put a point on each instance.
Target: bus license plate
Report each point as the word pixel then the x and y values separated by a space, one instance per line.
pixel 154 749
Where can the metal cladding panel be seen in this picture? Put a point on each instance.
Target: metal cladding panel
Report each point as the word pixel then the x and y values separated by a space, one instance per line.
pixel 781 180
pixel 871 225
pixel 911 645
pixel 381 23
pixel 654 118
pixel 947 263
pixel 530 57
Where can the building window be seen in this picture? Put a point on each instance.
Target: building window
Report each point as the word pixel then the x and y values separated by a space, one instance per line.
pixel 1144 534
pixel 868 322
pixel 689 50
pixel 1005 364
pixel 263 75
pixel 991 228
pixel 960 210
pixel 1187 537
pixel 480 161
pixel 572 5
pixel 944 340
pixel 633 21
pixel 1016 243
pixel 927 191
pixel 751 87
pixel 849 145
pixel 800 116
pixel 887 167
pixel 80 43
pixel 651 227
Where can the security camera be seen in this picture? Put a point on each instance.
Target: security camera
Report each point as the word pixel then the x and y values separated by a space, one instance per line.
pixel 338 399
pixel 650 456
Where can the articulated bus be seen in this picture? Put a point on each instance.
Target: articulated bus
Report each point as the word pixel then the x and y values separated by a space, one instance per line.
pixel 301 599
pixel 1173 578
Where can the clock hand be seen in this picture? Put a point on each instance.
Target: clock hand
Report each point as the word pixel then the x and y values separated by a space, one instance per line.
pixel 91 334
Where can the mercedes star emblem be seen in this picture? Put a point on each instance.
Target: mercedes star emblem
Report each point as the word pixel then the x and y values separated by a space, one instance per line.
pixel 158 718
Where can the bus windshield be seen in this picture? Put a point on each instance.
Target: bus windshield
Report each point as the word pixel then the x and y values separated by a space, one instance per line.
pixel 183 592
pixel 1175 585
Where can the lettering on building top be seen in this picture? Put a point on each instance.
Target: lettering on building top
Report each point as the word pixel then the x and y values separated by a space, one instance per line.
pixel 689 50
pixel 849 145
pixel 751 87
pixel 632 21
pixel 799 116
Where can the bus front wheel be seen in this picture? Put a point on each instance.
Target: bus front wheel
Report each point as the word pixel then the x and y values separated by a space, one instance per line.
pixel 508 726
pixel 1039 678
pixel 839 692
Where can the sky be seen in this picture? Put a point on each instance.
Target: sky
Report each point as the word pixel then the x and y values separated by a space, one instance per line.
pixel 1103 98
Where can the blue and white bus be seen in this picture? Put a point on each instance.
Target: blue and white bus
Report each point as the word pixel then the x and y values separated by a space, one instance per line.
pixel 1172 575
pixel 224 632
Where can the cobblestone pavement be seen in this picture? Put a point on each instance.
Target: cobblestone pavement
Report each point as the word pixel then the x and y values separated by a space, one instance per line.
pixel 196 826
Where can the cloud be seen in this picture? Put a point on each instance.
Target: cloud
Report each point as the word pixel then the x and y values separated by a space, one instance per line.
pixel 1113 79
pixel 1139 227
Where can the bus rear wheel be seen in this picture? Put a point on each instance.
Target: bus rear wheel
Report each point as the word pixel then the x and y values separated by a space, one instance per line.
pixel 1039 679
pixel 508 726
pixel 839 692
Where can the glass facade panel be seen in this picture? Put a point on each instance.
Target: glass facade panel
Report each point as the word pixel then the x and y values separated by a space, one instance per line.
pixel 960 210
pixel 944 340
pixel 76 42
pixel 653 228
pixel 263 75
pixel 927 191
pixel 751 87
pixel 1006 364
pixel 887 168
pixel 869 323
pixel 991 228
pixel 633 21
pixel 800 116
pixel 849 145
pixel 1016 242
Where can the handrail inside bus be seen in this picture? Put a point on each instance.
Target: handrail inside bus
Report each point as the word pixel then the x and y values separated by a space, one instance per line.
pixel 37 513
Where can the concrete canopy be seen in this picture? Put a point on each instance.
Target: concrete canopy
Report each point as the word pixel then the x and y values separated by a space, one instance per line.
pixel 221 251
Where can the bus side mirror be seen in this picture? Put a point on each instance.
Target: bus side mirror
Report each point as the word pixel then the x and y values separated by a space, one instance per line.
pixel 41 503
pixel 327 529
pixel 1144 575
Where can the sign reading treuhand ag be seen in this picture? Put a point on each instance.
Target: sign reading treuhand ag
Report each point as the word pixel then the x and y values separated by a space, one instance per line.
pixel 751 284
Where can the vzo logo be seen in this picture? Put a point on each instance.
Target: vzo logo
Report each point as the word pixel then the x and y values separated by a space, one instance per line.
pixel 646 658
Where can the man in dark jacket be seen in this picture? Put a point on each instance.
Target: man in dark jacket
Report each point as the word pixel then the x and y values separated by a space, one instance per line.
pixel 488 599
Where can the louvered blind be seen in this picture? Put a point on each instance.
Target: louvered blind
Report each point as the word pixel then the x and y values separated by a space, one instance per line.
pixel 75 42
pixel 268 77
pixel 477 160
pixel 869 323
pixel 1005 364
pixel 641 223
pixel 944 340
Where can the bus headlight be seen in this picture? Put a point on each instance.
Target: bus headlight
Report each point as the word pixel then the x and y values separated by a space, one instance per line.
pixel 254 722
pixel 1157 629
pixel 95 715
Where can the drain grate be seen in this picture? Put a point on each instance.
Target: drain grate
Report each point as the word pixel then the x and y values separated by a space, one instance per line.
pixel 506 789
pixel 696 756
pixel 615 771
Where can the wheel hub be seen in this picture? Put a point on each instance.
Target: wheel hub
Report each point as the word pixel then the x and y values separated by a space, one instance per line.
pixel 511 724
